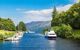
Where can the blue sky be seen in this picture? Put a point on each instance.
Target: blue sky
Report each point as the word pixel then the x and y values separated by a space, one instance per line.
pixel 30 10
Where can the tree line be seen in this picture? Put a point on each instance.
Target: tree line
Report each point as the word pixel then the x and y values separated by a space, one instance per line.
pixel 65 23
pixel 8 24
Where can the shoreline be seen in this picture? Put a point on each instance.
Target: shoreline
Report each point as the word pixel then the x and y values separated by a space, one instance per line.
pixel 16 37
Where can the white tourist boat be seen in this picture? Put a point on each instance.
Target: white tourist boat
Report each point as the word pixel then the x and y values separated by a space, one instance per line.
pixel 50 34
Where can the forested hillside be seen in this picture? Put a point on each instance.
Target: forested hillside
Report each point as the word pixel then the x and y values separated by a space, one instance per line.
pixel 67 24
pixel 7 24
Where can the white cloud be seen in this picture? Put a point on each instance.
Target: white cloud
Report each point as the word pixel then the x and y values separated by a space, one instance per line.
pixel 44 14
pixel 39 15
pixel 64 8
pixel 76 1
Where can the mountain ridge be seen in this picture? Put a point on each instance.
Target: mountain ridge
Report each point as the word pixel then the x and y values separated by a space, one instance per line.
pixel 38 26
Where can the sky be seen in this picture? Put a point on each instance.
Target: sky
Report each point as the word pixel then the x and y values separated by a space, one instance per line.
pixel 32 10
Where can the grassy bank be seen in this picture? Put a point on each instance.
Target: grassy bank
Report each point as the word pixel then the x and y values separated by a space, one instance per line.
pixel 5 34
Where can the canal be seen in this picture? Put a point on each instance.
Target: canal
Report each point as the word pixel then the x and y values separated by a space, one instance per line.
pixel 36 41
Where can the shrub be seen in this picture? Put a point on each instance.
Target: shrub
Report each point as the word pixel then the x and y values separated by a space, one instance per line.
pixel 76 34
pixel 1 37
pixel 63 30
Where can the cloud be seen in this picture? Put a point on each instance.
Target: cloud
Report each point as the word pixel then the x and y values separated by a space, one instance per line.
pixel 64 8
pixel 75 1
pixel 44 14
pixel 39 15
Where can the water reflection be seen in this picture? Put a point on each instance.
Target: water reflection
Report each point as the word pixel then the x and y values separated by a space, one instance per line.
pixel 39 42
pixel 52 44
pixel 15 42
pixel 66 44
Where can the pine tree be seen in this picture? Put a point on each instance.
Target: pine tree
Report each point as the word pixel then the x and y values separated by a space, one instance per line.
pixel 54 13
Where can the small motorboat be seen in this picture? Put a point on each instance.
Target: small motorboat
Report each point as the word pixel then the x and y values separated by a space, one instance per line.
pixel 12 39
pixel 50 34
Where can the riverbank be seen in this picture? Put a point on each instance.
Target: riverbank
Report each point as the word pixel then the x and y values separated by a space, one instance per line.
pixel 6 34
pixel 10 35
pixel 66 32
pixel 16 37
pixel 76 34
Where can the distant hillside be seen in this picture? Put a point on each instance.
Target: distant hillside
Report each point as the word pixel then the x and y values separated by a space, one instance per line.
pixel 38 26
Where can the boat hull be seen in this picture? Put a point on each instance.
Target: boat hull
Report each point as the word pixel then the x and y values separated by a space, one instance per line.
pixel 51 37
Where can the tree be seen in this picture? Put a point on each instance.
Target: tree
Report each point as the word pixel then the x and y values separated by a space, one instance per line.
pixel 7 24
pixel 71 17
pixel 63 31
pixel 21 26
pixel 66 23
pixel 74 16
pixel 54 13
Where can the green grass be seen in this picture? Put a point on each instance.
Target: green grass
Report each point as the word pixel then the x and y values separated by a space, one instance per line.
pixel 5 34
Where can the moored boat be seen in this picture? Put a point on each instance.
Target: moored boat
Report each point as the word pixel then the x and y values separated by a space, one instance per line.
pixel 50 34
pixel 16 37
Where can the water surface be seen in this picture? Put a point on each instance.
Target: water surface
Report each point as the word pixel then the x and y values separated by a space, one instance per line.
pixel 36 41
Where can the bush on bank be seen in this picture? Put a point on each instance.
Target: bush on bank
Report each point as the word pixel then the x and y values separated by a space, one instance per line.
pixel 64 31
